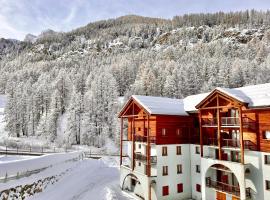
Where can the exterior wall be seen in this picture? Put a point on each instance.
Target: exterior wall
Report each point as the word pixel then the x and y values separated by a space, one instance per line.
pixel 195 177
pixel 259 172
pixel 172 179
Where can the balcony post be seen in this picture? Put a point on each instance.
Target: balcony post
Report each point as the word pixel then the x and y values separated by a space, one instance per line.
pixel 121 142
pixel 133 138
pixel 148 149
pixel 219 130
pixel 201 135
pixel 241 135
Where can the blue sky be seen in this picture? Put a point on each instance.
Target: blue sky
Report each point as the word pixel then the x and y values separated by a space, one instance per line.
pixel 19 17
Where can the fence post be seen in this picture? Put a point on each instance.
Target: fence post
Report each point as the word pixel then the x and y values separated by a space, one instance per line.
pixel 6 150
pixel 17 150
pixel 41 149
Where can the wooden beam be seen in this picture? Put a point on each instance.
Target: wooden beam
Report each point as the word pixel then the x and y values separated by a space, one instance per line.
pixel 215 107
pixel 121 142
pixel 201 134
pixel 148 151
pixel 219 130
pixel 133 138
pixel 241 135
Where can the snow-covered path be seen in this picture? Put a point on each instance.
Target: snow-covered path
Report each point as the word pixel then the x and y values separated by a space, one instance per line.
pixel 88 180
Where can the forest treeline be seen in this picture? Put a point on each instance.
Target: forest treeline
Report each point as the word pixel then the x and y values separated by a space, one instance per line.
pixel 65 87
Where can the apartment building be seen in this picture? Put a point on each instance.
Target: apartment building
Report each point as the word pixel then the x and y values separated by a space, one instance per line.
pixel 210 146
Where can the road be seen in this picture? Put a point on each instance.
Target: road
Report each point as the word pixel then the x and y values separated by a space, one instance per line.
pixel 89 179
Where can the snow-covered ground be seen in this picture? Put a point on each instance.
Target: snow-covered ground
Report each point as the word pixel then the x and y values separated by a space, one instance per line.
pixel 87 179
pixel 12 158
pixel 80 180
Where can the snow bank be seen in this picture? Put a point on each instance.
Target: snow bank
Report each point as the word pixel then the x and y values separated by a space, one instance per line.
pixel 18 166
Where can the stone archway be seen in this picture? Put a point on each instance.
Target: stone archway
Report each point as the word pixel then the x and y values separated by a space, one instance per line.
pixel 132 184
pixel 232 182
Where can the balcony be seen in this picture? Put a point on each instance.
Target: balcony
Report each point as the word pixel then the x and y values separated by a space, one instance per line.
pixel 224 187
pixel 227 188
pixel 139 138
pixel 143 158
pixel 230 143
pixel 209 122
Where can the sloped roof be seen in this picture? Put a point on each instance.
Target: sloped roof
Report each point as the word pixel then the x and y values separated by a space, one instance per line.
pixel 161 105
pixel 254 96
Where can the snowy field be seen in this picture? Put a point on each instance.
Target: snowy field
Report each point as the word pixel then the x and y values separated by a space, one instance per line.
pixel 87 179
pixel 82 180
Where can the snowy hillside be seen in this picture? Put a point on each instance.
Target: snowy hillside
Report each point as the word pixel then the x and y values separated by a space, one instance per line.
pixel 3 133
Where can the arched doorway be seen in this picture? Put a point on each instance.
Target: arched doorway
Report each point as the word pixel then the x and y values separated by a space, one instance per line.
pixel 221 183
pixel 132 185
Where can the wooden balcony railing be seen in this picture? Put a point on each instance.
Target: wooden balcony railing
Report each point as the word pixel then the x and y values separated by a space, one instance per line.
pixel 206 121
pixel 139 138
pixel 224 187
pixel 230 143
pixel 143 158
pixel 230 121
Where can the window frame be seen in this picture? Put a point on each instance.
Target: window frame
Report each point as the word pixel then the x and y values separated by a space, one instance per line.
pixel 178 150
pixel 165 190
pixel 179 169
pixel 267 159
pixel 180 187
pixel 198 188
pixel 197 150
pixel 165 170
pixel 198 168
pixel 267 185
pixel 164 151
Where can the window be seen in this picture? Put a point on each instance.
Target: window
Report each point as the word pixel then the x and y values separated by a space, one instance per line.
pixel 140 146
pixel 178 150
pixel 139 129
pixel 266 135
pixel 197 150
pixel 179 169
pixel 165 190
pixel 165 171
pixel 198 187
pixel 139 163
pixel 164 132
pixel 267 159
pixel 198 168
pixel 180 187
pixel 267 184
pixel 164 151
pixel 179 131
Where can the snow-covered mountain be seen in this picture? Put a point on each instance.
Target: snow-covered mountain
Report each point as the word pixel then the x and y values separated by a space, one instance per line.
pixel 77 77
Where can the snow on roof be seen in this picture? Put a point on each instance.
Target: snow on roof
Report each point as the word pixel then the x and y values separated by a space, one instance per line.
pixel 191 101
pixel 254 95
pixel 161 105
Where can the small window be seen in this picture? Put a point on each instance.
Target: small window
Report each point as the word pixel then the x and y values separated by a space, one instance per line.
pixel 139 164
pixel 140 146
pixel 266 135
pixel 164 132
pixel 180 187
pixel 267 184
pixel 165 171
pixel 165 190
pixel 198 187
pixel 164 151
pixel 267 159
pixel 197 150
pixel 179 131
pixel 198 168
pixel 178 150
pixel 139 129
pixel 179 169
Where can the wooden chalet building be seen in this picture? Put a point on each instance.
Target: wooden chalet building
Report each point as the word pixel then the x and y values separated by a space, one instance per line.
pixel 211 146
